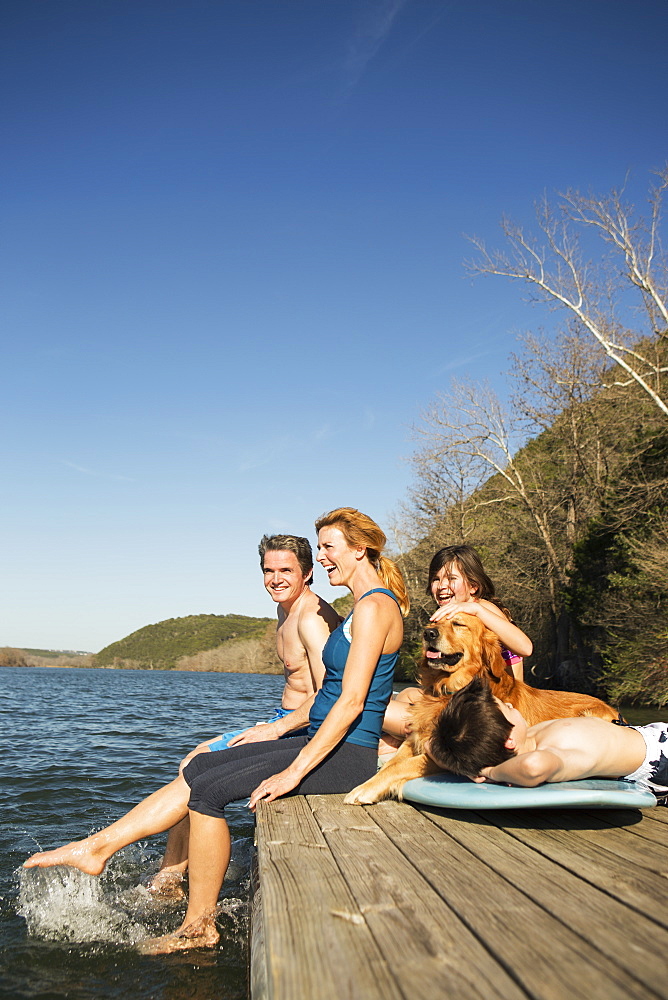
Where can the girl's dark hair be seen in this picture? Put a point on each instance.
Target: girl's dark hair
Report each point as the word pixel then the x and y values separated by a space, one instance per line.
pixel 471 731
pixel 469 564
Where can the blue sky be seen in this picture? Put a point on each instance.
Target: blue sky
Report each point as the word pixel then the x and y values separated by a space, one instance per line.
pixel 233 234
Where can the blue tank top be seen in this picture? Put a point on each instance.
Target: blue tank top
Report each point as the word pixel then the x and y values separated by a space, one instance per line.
pixel 365 730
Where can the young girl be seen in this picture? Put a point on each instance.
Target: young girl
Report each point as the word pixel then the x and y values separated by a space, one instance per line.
pixel 458 583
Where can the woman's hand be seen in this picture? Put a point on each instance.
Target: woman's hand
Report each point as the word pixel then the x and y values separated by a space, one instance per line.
pixel 273 787
pixel 450 610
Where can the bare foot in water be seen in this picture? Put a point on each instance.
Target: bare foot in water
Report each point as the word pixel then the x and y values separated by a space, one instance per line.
pixel 167 885
pixel 201 933
pixel 79 854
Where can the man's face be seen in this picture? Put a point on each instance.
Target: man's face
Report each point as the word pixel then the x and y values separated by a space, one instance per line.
pixel 283 576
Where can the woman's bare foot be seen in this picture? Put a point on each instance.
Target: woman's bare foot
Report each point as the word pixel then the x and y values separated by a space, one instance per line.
pixel 201 933
pixel 167 885
pixel 79 854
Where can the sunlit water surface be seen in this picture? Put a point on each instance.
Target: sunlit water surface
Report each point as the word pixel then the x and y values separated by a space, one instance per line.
pixel 79 748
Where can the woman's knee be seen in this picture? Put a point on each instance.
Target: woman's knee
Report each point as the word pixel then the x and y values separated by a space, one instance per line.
pixel 202 748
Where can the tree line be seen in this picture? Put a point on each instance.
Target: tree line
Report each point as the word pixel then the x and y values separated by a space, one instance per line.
pixel 561 485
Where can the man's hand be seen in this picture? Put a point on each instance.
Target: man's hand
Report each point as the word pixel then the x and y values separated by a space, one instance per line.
pixel 262 733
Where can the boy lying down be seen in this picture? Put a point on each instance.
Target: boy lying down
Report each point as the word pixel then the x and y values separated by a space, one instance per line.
pixel 485 739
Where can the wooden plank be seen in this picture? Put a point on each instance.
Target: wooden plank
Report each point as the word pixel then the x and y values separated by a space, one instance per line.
pixel 658 815
pixel 616 839
pixel 428 949
pixel 393 902
pixel 317 943
pixel 257 972
pixel 628 939
pixel 637 887
pixel 546 957
pixel 656 833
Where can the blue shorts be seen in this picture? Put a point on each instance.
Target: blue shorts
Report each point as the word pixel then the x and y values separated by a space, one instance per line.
pixel 280 713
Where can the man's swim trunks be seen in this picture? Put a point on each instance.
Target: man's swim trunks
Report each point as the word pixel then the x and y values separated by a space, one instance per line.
pixel 653 772
pixel 222 741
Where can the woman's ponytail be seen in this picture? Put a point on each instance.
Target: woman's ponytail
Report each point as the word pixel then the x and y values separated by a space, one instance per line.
pixel 393 579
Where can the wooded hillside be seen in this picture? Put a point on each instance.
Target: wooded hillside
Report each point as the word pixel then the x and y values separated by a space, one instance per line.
pixel 176 641
pixel 562 485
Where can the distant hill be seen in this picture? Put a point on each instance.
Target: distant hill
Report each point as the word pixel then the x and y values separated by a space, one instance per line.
pixel 160 646
pixel 344 604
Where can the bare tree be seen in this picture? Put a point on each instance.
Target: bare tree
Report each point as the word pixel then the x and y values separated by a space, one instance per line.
pixel 517 510
pixel 254 656
pixel 10 657
pixel 470 428
pixel 527 482
pixel 555 270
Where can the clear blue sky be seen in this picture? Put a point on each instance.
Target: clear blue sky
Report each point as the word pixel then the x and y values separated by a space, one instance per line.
pixel 233 234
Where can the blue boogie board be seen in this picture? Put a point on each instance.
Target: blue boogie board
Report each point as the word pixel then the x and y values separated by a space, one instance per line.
pixel 450 791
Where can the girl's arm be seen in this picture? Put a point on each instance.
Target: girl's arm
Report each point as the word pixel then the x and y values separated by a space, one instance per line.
pixel 510 635
pixel 373 621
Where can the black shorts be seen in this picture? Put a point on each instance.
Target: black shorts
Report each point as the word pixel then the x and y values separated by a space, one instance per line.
pixel 224 776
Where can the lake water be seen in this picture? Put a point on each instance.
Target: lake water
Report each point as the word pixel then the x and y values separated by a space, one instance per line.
pixel 79 748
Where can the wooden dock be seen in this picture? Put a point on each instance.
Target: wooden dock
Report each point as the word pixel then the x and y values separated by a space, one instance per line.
pixel 398 902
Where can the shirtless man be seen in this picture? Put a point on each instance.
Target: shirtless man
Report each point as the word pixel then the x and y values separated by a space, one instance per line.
pixel 485 739
pixel 304 624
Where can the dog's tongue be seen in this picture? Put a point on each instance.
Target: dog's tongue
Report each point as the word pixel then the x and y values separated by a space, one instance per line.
pixel 432 655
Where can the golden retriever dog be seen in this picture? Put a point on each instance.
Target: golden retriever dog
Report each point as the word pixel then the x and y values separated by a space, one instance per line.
pixel 454 652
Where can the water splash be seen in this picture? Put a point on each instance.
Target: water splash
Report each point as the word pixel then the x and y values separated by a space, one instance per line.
pixel 232 916
pixel 64 904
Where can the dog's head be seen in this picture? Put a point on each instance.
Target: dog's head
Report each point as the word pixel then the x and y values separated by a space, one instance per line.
pixel 456 650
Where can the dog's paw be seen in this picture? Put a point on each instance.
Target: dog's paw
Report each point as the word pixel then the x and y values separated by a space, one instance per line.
pixel 361 796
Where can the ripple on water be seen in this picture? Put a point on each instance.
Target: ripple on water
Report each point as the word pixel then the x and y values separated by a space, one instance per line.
pixel 80 747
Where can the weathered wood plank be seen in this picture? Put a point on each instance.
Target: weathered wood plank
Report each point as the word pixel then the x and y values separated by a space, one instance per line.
pixel 317 943
pixel 637 887
pixel 628 939
pixel 659 814
pixel 546 957
pixel 394 902
pixel 618 839
pixel 656 833
pixel 257 973
pixel 428 949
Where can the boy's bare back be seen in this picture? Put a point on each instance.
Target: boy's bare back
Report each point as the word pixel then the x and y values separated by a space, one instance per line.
pixel 589 747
